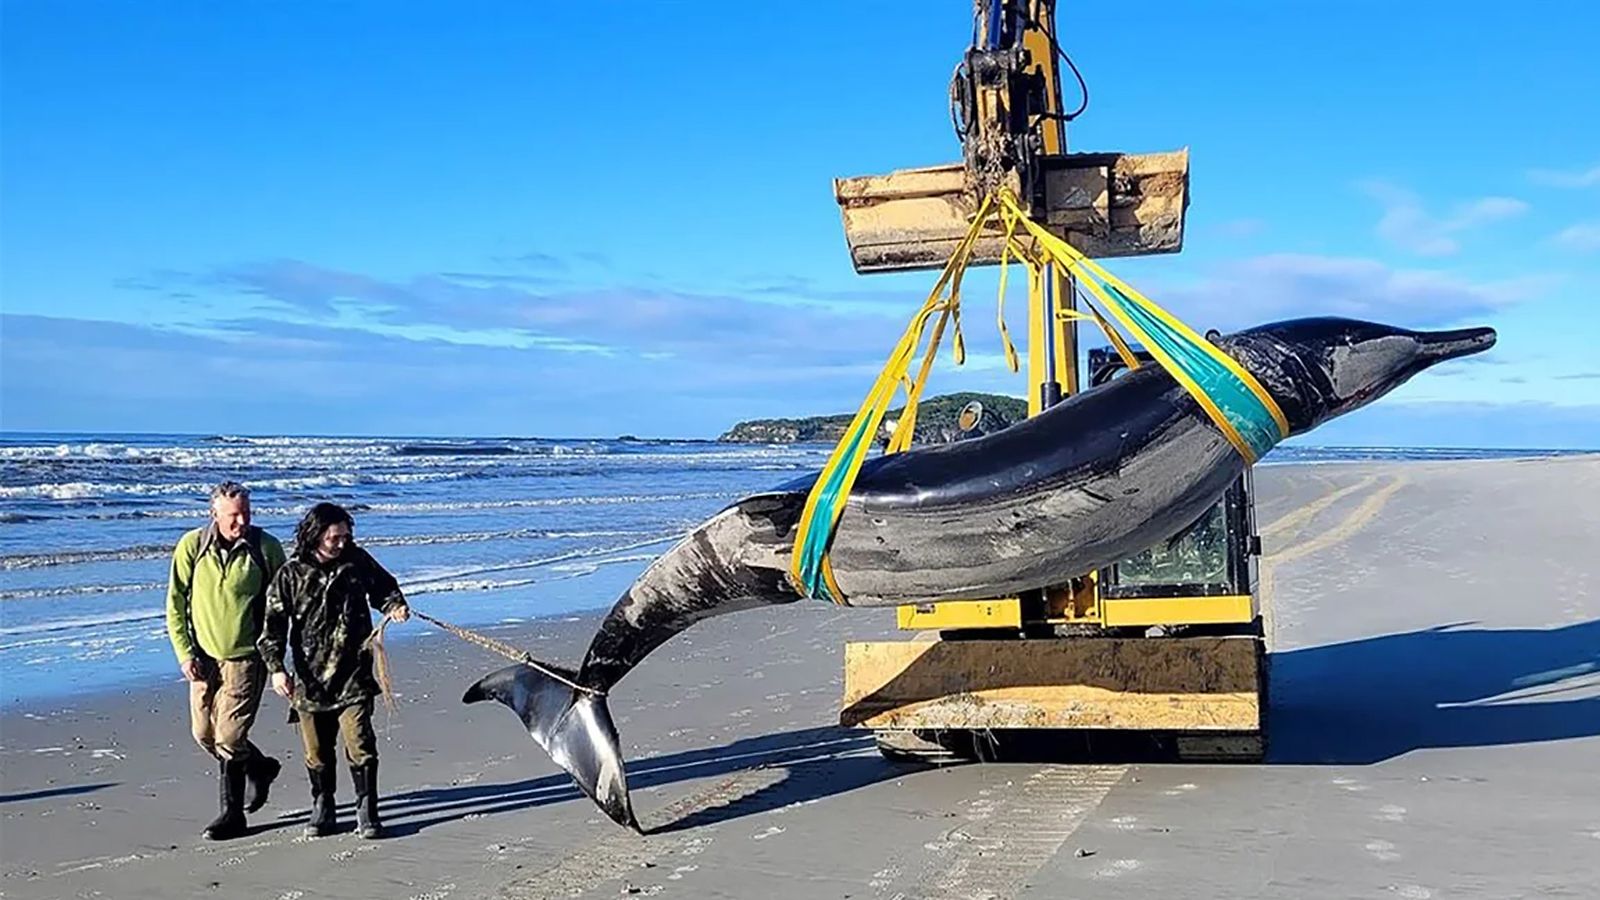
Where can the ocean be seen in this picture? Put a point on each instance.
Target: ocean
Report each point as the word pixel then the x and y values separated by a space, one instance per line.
pixel 479 531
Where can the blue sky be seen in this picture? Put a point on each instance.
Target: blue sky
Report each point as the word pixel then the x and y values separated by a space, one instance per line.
pixel 595 219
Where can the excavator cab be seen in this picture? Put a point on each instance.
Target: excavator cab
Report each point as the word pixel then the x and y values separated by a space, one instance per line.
pixel 1214 557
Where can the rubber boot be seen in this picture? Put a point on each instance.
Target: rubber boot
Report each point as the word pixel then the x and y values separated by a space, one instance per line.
pixel 323 781
pixel 259 775
pixel 230 824
pixel 365 777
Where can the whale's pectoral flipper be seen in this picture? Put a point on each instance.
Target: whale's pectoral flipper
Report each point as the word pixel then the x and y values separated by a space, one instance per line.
pixel 572 725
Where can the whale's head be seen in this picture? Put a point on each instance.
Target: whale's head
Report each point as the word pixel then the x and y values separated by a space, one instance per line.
pixel 1320 368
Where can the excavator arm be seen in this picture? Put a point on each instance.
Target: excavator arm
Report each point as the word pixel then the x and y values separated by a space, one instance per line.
pixel 1009 118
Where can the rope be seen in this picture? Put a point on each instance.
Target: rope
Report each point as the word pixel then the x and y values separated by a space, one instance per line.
pixel 380 657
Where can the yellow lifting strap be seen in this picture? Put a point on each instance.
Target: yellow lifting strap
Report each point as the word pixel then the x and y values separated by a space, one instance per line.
pixel 809 571
pixel 1242 410
pixel 1232 398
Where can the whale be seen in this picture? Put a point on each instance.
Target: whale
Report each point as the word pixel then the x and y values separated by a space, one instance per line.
pixel 1091 480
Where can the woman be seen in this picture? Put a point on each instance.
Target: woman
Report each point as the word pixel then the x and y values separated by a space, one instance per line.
pixel 319 605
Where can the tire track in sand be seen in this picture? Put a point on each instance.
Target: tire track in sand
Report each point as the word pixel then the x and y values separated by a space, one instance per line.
pixel 1007 839
pixel 1305 513
pixel 1347 528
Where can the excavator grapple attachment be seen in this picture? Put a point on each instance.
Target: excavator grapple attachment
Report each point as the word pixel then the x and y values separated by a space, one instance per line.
pixel 1104 204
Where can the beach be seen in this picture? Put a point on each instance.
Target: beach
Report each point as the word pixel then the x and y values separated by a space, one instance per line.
pixel 1435 716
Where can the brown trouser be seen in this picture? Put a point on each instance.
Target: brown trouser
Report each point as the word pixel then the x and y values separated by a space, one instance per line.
pixel 223 704
pixel 353 723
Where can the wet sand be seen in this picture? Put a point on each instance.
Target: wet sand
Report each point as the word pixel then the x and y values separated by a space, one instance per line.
pixel 1436 707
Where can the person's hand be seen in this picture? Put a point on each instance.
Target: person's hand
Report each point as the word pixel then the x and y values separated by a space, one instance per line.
pixel 400 613
pixel 282 684
pixel 191 669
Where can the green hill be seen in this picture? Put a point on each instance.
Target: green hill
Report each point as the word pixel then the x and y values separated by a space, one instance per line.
pixel 936 421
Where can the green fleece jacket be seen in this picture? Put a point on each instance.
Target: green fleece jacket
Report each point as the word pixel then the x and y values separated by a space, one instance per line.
pixel 216 599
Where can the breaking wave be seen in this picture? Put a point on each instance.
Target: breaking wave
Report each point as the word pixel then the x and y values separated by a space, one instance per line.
pixel 86 490
pixel 23 561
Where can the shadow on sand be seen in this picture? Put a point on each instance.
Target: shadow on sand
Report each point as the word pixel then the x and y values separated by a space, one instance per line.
pixel 1365 701
pixel 64 791
pixel 817 762
pixel 1354 703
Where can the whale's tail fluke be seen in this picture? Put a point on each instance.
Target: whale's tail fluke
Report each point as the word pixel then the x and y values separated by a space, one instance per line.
pixel 573 725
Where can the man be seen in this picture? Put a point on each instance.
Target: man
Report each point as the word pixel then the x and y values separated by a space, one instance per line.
pixel 327 593
pixel 216 598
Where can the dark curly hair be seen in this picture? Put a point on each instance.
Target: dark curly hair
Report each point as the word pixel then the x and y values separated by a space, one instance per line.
pixel 318 519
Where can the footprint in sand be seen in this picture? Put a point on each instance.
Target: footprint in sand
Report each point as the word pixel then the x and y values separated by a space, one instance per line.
pixel 1382 850
pixel 1117 868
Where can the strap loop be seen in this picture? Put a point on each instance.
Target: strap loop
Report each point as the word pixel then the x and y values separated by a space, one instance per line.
pixel 1230 396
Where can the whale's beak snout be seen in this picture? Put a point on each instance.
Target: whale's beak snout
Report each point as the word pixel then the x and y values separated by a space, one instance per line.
pixel 1438 346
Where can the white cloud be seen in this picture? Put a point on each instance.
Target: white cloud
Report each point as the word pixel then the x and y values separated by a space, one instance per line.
pixel 1556 178
pixel 492 310
pixel 1285 285
pixel 1583 237
pixel 1409 226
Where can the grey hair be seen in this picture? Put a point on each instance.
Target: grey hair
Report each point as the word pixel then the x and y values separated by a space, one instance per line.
pixel 230 489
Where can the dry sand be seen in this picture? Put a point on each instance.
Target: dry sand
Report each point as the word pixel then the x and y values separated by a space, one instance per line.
pixel 1436 708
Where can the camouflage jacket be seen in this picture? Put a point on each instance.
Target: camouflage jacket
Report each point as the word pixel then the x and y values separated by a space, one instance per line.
pixel 322 612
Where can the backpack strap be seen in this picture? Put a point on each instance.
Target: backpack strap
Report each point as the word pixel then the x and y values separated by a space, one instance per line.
pixel 208 536
pixel 258 602
pixel 252 546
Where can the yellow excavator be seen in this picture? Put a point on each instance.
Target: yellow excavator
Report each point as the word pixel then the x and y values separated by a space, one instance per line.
pixel 1166 649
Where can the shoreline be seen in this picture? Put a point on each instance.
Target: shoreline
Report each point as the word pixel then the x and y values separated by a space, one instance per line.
pixel 396 638
pixel 101 436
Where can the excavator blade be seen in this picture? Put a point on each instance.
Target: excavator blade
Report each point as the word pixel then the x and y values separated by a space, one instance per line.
pixel 1104 204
